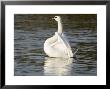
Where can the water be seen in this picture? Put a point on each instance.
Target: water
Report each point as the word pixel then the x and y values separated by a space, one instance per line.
pixel 30 59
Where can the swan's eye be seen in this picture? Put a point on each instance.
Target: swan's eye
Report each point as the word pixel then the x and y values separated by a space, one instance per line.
pixel 55 17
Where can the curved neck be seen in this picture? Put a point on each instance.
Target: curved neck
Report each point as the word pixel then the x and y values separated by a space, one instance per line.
pixel 60 27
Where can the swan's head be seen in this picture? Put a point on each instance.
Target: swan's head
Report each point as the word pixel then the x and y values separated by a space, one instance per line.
pixel 57 18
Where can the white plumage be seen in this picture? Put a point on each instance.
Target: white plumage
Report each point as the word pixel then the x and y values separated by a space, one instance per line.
pixel 58 45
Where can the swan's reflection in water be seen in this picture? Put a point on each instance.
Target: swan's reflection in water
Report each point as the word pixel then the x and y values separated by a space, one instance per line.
pixel 57 66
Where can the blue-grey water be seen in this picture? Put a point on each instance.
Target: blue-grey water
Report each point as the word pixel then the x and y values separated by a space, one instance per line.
pixel 30 59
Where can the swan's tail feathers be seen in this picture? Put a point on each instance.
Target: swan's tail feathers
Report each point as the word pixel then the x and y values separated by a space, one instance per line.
pixel 75 52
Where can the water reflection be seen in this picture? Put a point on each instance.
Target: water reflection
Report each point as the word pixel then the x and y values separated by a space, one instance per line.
pixel 57 66
pixel 30 33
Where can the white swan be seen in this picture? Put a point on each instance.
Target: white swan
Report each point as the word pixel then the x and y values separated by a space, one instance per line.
pixel 58 45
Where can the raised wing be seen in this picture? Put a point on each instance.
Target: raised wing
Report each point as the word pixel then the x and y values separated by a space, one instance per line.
pixel 66 44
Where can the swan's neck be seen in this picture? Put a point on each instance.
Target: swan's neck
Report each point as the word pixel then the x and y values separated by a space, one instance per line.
pixel 60 26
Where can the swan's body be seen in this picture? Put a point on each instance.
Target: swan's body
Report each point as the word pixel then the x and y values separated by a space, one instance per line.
pixel 58 45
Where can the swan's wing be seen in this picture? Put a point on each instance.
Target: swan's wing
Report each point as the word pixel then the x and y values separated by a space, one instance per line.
pixel 65 42
pixel 54 40
pixel 62 38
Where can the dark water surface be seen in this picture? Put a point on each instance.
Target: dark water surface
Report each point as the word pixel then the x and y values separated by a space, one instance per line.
pixel 30 59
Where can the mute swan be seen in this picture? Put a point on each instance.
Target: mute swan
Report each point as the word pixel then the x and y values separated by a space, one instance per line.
pixel 58 45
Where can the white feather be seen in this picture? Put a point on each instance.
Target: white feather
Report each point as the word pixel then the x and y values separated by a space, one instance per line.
pixel 58 45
